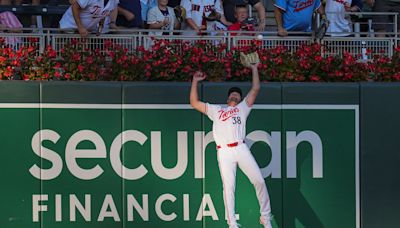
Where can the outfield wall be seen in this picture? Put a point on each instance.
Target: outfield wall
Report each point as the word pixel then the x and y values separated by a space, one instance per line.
pixel 111 154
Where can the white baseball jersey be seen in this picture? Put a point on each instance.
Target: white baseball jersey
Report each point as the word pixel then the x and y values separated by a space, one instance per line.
pixel 229 123
pixel 195 9
pixel 155 16
pixel 339 21
pixel 92 11
pixel 229 127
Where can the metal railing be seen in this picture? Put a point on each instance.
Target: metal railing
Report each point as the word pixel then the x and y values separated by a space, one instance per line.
pixel 364 46
pixel 140 38
pixel 366 19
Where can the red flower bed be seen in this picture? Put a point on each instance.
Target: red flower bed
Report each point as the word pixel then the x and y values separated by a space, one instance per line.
pixel 178 60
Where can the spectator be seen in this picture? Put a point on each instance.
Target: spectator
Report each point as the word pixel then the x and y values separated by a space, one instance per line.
pixel 243 23
pixel 129 14
pixel 33 22
pixel 203 15
pixel 340 23
pixel 162 17
pixel 242 20
pixel 146 5
pixel 229 10
pixel 296 15
pixel 87 15
pixel 9 22
pixel 381 22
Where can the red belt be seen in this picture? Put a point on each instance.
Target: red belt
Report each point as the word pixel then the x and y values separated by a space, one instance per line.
pixel 229 145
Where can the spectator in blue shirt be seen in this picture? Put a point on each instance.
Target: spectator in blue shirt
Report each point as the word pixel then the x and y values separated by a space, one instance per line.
pixel 296 15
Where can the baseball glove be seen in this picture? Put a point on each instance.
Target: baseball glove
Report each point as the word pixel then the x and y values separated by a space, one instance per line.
pixel 180 13
pixel 249 59
pixel 321 30
pixel 213 16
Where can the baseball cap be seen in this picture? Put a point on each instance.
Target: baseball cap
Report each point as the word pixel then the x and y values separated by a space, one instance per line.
pixel 235 89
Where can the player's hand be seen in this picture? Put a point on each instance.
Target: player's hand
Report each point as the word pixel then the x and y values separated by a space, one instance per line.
pixel 198 76
pixel 83 32
pixel 282 32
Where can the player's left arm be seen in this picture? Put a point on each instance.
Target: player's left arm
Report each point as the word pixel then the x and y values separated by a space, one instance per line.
pixel 255 88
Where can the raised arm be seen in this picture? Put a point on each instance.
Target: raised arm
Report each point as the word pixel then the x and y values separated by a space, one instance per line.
pixel 194 96
pixel 255 88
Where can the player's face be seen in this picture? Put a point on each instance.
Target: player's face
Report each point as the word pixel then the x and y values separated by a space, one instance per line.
pixel 241 13
pixel 234 98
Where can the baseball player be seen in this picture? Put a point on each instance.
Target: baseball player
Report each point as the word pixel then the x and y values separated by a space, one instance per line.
pixel 85 15
pixel 229 131
pixel 203 15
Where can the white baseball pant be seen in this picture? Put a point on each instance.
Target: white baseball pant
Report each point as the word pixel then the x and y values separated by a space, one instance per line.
pixel 228 160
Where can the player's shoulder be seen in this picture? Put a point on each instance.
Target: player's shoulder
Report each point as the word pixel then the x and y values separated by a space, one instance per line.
pixel 212 109
pixel 213 105
pixel 244 104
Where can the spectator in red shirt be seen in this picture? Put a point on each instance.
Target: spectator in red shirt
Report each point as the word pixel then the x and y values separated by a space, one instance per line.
pixel 243 22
